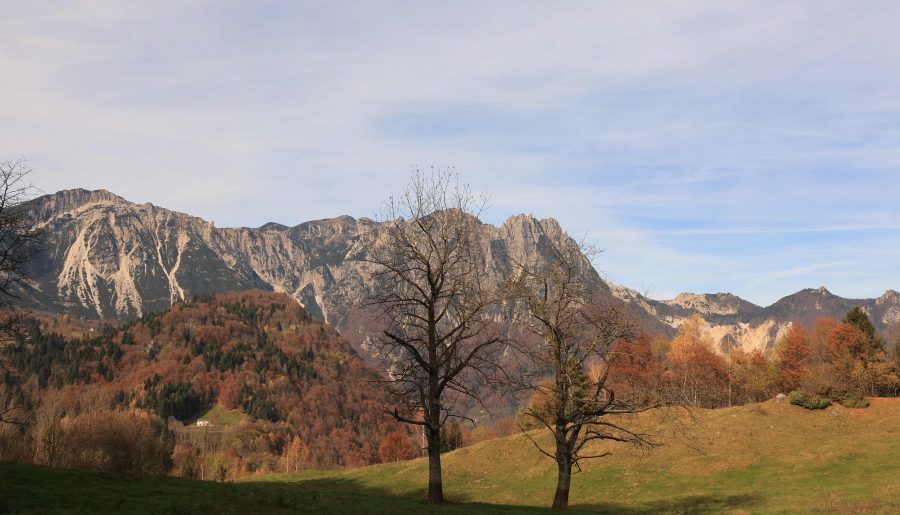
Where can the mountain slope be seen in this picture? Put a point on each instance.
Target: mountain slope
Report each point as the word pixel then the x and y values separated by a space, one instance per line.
pixel 255 352
pixel 733 321
pixel 112 259
pixel 105 257
pixel 109 258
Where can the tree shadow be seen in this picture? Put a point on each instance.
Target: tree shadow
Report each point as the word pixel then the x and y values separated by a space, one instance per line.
pixel 37 489
pixel 686 505
pixel 340 494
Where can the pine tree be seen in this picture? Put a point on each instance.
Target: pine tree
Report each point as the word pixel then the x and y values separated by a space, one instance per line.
pixel 860 320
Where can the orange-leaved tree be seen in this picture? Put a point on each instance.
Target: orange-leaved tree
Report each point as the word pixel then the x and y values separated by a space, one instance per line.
pixel 793 353
pixel 396 447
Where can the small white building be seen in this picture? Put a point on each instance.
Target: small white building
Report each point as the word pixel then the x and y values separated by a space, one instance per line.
pixel 203 423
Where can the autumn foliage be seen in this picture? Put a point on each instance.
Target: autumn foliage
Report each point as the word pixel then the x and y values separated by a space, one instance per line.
pixel 841 361
pixel 123 400
pixel 793 353
pixel 396 447
pixel 308 399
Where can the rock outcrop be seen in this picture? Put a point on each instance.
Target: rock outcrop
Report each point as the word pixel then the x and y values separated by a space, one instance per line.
pixel 108 258
pixel 105 257
pixel 735 322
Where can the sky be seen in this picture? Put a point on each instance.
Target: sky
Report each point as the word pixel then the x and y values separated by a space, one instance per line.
pixel 704 146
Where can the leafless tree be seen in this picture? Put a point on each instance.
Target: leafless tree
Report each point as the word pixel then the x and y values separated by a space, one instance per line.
pixel 11 407
pixel 18 245
pixel 437 340
pixel 574 337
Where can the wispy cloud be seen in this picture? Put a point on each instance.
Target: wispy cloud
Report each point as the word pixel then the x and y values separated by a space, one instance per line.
pixel 705 145
pixel 715 231
pixel 802 271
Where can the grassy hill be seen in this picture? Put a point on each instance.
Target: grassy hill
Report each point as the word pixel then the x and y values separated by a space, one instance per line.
pixel 769 457
pixel 219 416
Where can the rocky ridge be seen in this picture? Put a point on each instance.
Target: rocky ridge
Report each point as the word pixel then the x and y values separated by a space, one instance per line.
pixel 732 321
pixel 108 258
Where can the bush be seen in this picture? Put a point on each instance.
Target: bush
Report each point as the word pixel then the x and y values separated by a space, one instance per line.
pixel 814 401
pixel 116 442
pixel 852 400
pixel 396 447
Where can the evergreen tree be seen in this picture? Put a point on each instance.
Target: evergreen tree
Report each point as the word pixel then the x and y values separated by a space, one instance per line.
pixel 860 320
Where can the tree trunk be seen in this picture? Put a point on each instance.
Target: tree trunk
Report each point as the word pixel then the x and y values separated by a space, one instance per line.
pixel 435 486
pixel 561 499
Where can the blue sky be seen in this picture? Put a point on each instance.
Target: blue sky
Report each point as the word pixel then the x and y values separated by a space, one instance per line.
pixel 750 147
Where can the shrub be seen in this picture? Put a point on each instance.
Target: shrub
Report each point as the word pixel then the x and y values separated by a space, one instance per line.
pixel 396 447
pixel 852 400
pixel 116 442
pixel 814 401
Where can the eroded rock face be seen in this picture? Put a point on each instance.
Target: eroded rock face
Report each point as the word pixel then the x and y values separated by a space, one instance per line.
pixel 108 258
pixel 733 322
pixel 714 303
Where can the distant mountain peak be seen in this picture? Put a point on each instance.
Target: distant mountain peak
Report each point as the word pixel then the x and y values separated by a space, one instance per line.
pixel 73 198
pixel 890 298
pixel 522 218
pixel 109 258
pixel 273 226
pixel 712 303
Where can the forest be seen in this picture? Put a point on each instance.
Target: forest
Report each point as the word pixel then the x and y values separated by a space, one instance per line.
pixel 833 361
pixel 125 399
pixel 309 400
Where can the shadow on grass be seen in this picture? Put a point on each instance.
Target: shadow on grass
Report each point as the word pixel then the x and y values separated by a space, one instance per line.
pixel 36 489
pixel 690 504
pixel 342 495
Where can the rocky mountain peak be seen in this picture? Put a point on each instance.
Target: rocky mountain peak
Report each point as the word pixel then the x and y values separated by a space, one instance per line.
pixel 529 225
pixel 331 226
pixel 273 226
pixel 79 196
pixel 890 296
pixel 109 258
pixel 712 303
pixel 523 234
pixel 888 308
pixel 106 257
pixel 66 201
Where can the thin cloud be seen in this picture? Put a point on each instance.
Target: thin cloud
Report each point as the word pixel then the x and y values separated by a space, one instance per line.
pixel 776 230
pixel 797 272
pixel 657 136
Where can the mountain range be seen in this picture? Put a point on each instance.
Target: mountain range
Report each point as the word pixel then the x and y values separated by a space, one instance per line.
pixel 107 258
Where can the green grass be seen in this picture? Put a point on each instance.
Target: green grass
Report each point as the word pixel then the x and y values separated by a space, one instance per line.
pixel 770 457
pixel 220 417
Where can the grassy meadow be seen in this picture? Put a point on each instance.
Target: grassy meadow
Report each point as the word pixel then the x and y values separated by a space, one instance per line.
pixel 770 458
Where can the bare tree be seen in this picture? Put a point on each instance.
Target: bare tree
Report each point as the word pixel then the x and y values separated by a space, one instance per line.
pixel 12 405
pixel 18 245
pixel 430 292
pixel 571 340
